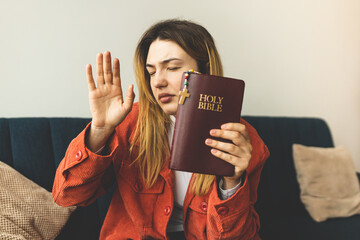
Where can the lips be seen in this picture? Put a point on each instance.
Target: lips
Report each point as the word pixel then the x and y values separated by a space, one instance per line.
pixel 165 97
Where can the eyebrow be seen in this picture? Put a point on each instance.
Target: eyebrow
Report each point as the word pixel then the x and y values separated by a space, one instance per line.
pixel 165 61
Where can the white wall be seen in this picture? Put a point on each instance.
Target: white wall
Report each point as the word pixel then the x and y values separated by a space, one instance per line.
pixel 298 58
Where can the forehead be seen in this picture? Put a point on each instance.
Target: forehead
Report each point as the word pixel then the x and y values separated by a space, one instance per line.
pixel 161 50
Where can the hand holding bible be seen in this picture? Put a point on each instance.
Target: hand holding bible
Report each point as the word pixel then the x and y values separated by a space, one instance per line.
pixel 237 152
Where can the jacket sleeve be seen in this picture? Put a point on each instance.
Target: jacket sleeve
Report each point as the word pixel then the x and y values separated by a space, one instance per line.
pixel 82 175
pixel 235 217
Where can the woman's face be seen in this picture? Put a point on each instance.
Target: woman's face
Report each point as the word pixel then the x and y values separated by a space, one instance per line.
pixel 166 62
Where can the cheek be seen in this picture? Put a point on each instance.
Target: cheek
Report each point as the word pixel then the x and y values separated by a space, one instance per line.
pixel 176 80
pixel 152 88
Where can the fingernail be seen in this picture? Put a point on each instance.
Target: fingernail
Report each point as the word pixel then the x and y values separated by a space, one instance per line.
pixel 213 132
pixel 208 141
pixel 224 126
pixel 213 150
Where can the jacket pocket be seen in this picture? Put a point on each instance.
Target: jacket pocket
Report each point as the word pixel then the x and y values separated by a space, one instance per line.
pixel 139 202
pixel 132 177
pixel 196 218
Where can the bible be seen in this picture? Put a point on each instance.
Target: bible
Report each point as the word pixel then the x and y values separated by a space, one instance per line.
pixel 206 102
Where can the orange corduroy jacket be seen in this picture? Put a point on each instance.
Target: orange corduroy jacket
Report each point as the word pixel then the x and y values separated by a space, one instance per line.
pixel 137 212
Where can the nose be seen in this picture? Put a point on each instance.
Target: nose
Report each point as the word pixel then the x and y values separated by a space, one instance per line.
pixel 159 79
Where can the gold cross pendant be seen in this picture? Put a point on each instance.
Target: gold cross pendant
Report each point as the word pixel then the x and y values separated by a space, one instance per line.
pixel 183 95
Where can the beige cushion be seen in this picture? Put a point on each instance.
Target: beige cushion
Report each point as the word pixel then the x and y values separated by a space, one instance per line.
pixel 27 211
pixel 328 182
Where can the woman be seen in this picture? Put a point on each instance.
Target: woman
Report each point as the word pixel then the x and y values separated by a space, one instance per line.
pixel 129 143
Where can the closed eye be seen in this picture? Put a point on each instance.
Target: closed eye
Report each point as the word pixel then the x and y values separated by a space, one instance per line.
pixel 173 68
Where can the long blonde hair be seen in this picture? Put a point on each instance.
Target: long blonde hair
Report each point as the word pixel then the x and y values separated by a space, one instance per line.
pixel 152 124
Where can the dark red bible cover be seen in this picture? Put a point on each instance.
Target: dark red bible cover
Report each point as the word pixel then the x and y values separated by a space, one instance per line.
pixel 213 101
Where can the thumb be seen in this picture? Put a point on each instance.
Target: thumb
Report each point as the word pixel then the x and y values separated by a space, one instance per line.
pixel 129 98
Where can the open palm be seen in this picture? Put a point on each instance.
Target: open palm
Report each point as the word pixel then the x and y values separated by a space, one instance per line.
pixel 107 105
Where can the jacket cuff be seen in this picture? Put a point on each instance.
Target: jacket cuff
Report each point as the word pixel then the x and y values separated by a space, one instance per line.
pixel 91 162
pixel 226 194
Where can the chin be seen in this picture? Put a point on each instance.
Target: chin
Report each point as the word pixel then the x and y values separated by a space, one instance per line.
pixel 170 113
pixel 169 110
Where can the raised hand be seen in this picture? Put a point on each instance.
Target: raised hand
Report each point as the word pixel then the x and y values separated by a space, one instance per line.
pixel 107 106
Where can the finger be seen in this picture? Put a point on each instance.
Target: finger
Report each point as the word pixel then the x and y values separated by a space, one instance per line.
pixel 90 79
pixel 241 128
pixel 223 146
pixel 240 164
pixel 100 71
pixel 116 72
pixel 234 136
pixel 129 98
pixel 233 160
pixel 107 67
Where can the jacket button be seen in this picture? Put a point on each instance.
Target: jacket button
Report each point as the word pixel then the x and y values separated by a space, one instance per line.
pixel 138 187
pixel 167 210
pixel 223 210
pixel 78 155
pixel 203 206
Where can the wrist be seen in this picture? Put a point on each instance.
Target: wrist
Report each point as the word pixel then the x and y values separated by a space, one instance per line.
pixel 101 131
pixel 96 138
pixel 230 183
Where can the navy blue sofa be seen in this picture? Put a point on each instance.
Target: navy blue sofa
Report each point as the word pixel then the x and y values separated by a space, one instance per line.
pixel 35 147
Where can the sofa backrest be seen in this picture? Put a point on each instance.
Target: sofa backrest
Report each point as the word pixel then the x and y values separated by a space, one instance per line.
pixel 35 147
pixel 278 191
